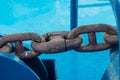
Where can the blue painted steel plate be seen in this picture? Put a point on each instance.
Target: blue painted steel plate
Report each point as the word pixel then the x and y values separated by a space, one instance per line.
pixel 12 68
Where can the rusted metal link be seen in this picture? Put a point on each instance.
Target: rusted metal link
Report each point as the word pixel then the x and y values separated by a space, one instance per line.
pixel 18 38
pixel 50 35
pixel 56 42
pixel 93 48
pixel 91 29
pixel 111 39
pixel 92 38
pixel 24 54
pixel 6 48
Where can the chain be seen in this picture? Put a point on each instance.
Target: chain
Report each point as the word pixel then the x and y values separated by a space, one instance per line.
pixel 91 29
pixel 55 42
pixel 18 38
pixel 5 48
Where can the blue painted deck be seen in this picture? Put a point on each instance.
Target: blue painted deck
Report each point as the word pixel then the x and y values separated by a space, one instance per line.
pixel 42 16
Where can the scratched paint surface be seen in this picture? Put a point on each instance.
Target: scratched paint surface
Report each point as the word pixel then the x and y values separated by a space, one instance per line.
pixel 42 16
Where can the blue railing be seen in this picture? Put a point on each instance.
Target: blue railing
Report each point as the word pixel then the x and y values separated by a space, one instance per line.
pixel 73 13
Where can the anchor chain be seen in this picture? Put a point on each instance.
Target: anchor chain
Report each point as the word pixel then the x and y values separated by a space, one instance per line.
pixel 60 41
pixel 18 38
pixel 93 45
pixel 56 42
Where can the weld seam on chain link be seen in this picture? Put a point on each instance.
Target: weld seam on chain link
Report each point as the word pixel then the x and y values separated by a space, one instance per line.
pixel 65 45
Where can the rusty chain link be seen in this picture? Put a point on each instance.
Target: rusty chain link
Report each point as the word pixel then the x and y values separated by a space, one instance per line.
pixel 91 29
pixel 5 48
pixel 18 38
pixel 55 42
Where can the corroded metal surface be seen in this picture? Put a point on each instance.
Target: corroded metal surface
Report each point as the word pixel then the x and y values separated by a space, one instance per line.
pixel 56 42
pixel 24 54
pixel 60 41
pixel 111 39
pixel 19 37
pixel 5 48
pixel 91 29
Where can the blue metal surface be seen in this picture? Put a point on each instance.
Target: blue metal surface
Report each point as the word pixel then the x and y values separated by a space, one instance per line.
pixel 38 67
pixel 116 9
pixel 113 71
pixel 73 13
pixel 12 68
